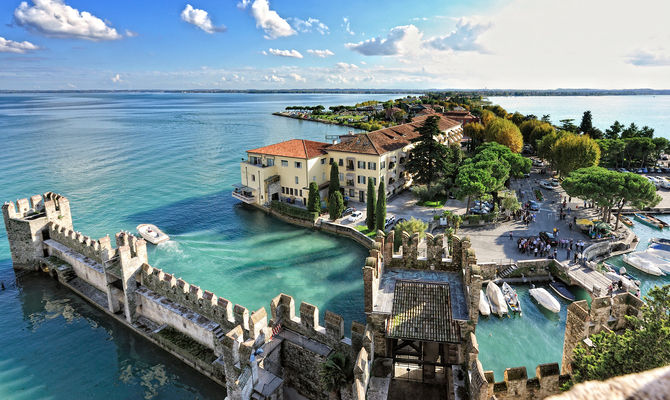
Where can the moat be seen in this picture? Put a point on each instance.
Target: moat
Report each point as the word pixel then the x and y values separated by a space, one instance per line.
pixel 138 166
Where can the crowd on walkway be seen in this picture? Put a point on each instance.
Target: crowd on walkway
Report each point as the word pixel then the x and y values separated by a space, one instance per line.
pixel 541 247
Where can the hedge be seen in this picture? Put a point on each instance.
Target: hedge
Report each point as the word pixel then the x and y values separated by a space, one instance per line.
pixel 293 211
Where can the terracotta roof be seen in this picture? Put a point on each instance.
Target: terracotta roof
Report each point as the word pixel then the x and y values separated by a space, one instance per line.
pixel 296 148
pixel 388 139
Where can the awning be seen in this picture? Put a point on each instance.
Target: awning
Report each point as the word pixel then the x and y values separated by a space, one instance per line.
pixel 584 222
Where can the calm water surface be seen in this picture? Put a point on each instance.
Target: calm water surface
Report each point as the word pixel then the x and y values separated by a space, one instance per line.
pixel 170 159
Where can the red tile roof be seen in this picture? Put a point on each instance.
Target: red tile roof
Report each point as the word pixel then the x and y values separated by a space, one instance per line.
pixel 388 139
pixel 296 148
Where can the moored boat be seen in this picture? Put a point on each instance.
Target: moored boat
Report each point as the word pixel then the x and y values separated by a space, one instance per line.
pixel 642 264
pixel 660 258
pixel 562 290
pixel 511 298
pixel 625 220
pixel 545 299
pixel 152 234
pixel 651 221
pixel 484 306
pixel 496 299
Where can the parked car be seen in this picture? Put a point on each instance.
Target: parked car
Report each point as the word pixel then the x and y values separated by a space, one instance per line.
pixel 639 171
pixel 534 205
pixel 390 221
pixel 355 216
pixel 479 210
pixel 348 211
pixel 549 237
pixel 546 185
pixel 400 220
pixel 554 182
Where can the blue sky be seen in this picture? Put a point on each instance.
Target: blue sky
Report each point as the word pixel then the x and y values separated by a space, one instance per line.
pixel 230 44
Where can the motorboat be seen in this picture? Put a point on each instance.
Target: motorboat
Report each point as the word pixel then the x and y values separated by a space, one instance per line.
pixel 660 241
pixel 643 264
pixel 484 306
pixel 511 298
pixel 660 258
pixel 562 290
pixel 651 221
pixel 496 299
pixel 152 234
pixel 545 299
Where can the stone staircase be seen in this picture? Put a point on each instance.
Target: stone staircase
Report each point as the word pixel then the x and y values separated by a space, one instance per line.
pixel 67 273
pixel 219 333
pixel 507 271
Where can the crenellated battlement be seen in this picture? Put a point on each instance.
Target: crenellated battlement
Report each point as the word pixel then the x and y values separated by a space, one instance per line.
pixel 51 205
pixel 432 251
pixel 516 384
pixel 79 242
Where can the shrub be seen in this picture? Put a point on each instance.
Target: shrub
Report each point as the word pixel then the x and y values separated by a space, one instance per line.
pixel 293 211
pixel 411 226
pixel 335 205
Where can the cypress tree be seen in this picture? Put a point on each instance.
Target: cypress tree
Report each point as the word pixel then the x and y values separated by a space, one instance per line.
pixel 334 180
pixel 381 206
pixel 314 200
pixel 370 217
pixel 335 205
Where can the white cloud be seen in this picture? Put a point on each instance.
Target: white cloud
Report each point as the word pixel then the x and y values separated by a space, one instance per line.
pixel 346 67
pixel 321 53
pixel 57 19
pixel 273 78
pixel 297 78
pixel 346 23
pixel 400 40
pixel 464 37
pixel 116 78
pixel 302 25
pixel 11 46
pixel 272 24
pixel 284 53
pixel 199 18
pixel 130 33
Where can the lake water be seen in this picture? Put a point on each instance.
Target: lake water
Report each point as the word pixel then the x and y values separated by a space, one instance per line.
pixel 170 159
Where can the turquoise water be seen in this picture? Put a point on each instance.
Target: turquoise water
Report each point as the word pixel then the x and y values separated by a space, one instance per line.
pixel 643 110
pixel 168 159
pixel 537 337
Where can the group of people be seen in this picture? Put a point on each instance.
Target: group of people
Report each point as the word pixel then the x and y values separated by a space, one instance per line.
pixel 536 246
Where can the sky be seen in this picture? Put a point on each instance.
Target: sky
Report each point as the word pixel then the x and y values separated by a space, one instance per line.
pixel 290 44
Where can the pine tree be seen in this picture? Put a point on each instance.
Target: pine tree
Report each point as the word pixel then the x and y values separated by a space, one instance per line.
pixel 381 206
pixel 427 160
pixel 334 180
pixel 586 127
pixel 314 200
pixel 370 217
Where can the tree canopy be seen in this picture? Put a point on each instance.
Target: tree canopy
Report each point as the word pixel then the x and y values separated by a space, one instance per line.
pixel 645 346
pixel 380 210
pixel 572 152
pixel 335 205
pixel 506 133
pixel 314 200
pixel 476 132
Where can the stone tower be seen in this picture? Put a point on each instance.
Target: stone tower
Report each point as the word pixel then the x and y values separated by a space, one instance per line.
pixel 26 224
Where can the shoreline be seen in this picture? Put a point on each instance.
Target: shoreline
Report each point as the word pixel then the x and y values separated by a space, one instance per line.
pixel 323 121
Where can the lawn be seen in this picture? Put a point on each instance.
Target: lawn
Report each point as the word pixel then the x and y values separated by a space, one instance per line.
pixel 432 203
pixel 364 230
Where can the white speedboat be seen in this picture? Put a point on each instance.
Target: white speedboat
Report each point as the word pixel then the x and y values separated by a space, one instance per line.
pixel 484 306
pixel 661 258
pixel 511 298
pixel 643 264
pixel 152 234
pixel 545 299
pixel 496 299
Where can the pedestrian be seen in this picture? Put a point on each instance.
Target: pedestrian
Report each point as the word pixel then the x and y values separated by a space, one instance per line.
pixel 570 225
pixel 535 252
pixel 510 236
pixel 576 256
pixel 556 254
pixel 570 199
pixel 568 256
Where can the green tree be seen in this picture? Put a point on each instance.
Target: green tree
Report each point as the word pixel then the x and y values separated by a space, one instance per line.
pixel 336 372
pixel 645 346
pixel 527 127
pixel 473 182
pixel 506 133
pixel 380 211
pixel 410 226
pixel 631 131
pixel 370 216
pixel 487 117
pixel 540 132
pixel 546 118
pixel 510 204
pixel 517 118
pixel 476 132
pixel 572 152
pixel 314 200
pixel 638 149
pixel 335 205
pixel 661 144
pixel 568 125
pixel 614 130
pixel 497 110
pixel 428 159
pixel 334 185
pixel 586 127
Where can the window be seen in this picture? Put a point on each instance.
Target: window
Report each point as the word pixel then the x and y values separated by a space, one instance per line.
pixel 351 193
pixel 341 162
pixel 255 160
pixel 296 180
pixel 361 179
pixel 270 162
pixel 372 165
pixel 331 161
pixel 300 192
pixel 323 161
pixel 341 177
pixel 298 164
pixel 361 165
pixel 374 181
pixel 253 178
pixel 291 190
pixel 323 176
pixel 283 190
pixel 382 165
pixel 284 163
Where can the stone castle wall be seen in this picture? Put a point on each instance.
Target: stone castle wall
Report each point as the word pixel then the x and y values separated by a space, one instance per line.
pixel 515 384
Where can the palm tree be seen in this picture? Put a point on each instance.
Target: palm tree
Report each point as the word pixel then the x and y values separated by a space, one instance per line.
pixel 336 372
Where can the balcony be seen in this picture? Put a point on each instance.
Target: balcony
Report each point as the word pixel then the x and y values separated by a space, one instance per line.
pixel 244 194
pixel 258 165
